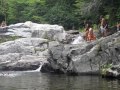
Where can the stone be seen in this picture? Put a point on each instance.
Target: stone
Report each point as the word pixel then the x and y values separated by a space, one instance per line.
pixel 87 58
pixel 30 29
pixel 23 54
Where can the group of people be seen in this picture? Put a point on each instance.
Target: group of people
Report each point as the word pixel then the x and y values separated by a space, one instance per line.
pixel 89 34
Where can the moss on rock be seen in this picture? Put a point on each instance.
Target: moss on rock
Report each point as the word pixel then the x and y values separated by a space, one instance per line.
pixel 4 38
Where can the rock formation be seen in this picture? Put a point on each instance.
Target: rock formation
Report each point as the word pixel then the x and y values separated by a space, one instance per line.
pixel 52 48
pixel 30 29
pixel 23 54
pixel 85 58
pixel 30 52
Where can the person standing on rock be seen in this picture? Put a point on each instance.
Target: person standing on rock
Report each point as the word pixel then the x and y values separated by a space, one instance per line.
pixel 118 26
pixel 103 27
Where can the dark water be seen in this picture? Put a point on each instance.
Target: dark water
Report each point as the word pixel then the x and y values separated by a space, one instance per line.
pixel 39 81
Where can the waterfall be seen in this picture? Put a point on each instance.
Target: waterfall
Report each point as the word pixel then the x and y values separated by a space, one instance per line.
pixel 38 69
pixel 78 40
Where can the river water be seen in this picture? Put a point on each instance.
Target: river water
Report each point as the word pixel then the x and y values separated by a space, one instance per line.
pixel 39 81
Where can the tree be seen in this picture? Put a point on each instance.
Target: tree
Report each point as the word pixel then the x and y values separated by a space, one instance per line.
pixel 61 12
pixel 21 11
pixel 69 13
pixel 3 10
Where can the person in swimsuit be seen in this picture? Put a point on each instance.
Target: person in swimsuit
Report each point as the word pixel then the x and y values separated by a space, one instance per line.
pixel 103 27
pixel 91 35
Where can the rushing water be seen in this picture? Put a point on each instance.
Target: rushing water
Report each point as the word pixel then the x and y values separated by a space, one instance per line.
pixel 78 40
pixel 39 81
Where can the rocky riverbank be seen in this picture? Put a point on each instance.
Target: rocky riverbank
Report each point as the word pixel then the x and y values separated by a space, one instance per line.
pixel 86 58
pixel 52 49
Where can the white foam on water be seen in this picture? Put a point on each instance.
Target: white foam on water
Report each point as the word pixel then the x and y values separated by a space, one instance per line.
pixel 38 69
pixel 78 40
pixel 9 74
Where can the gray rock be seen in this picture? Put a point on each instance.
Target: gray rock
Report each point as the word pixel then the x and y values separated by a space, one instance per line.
pixel 30 29
pixel 23 54
pixel 53 43
pixel 72 32
pixel 26 62
pixel 87 58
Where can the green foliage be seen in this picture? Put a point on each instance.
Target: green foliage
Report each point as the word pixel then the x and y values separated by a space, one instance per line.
pixel 118 14
pixel 104 69
pixel 38 19
pixel 57 15
pixel 61 12
pixel 69 13
pixel 7 38
pixel 3 10
pixel 21 11
pixel 111 8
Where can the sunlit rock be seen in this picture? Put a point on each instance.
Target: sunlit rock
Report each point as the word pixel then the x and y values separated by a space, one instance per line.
pixel 30 29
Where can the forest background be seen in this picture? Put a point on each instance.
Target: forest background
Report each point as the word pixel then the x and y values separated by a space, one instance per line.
pixel 69 13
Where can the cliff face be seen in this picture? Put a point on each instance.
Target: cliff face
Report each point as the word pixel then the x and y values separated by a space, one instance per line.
pixel 87 58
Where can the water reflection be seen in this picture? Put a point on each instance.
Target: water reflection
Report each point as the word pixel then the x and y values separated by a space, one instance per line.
pixel 39 81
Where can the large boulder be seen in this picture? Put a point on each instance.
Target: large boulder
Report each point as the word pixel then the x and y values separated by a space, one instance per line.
pixel 25 62
pixel 85 58
pixel 23 54
pixel 30 29
pixel 50 32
